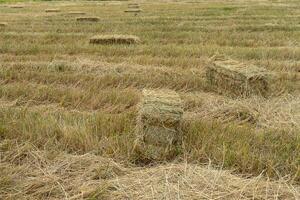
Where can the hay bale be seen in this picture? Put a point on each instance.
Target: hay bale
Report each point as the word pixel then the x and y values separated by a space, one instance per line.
pixel 158 124
pixel 76 13
pixel 114 39
pixel 133 11
pixel 87 19
pixel 236 78
pixel 133 5
pixel 16 6
pixel 3 24
pixel 52 10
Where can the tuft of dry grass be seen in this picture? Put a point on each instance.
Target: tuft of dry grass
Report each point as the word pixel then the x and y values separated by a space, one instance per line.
pixel 114 39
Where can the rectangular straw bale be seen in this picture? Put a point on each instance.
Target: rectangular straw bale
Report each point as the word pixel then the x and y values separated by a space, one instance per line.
pixel 87 19
pixel 52 10
pixel 16 6
pixel 76 13
pixel 158 123
pixel 237 78
pixel 114 39
pixel 133 11
pixel 133 6
pixel 3 24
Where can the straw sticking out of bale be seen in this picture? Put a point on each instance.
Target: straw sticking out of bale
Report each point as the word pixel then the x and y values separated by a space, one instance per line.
pixel 158 124
pixel 114 39
pixel 236 78
pixel 87 19
pixel 76 13
pixel 52 10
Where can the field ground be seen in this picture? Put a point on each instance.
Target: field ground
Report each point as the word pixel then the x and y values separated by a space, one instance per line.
pixel 68 108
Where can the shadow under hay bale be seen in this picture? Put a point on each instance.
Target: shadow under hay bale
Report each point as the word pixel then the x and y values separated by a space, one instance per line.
pixel 52 10
pixel 87 19
pixel 238 79
pixel 158 125
pixel 76 13
pixel 114 39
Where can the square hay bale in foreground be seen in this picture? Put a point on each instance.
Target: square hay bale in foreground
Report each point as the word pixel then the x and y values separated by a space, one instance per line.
pixel 114 39
pixel 235 78
pixel 158 124
pixel 87 19
pixel 52 10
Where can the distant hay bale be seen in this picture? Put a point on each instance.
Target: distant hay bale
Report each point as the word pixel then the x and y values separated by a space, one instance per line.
pixel 3 24
pixel 133 5
pixel 237 78
pixel 158 124
pixel 133 11
pixel 76 13
pixel 114 39
pixel 52 10
pixel 87 19
pixel 16 6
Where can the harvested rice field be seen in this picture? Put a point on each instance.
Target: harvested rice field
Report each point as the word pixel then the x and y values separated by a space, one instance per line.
pixel 212 87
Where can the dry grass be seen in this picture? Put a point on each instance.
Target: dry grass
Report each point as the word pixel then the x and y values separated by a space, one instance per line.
pixel 29 173
pixel 77 104
pixel 114 39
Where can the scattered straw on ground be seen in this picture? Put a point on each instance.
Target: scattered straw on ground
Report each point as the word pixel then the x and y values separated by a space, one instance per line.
pixel 114 39
pixel 29 173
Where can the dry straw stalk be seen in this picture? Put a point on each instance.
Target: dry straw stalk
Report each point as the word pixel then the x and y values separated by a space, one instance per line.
pixel 114 39
pixel 158 124
pixel 237 78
